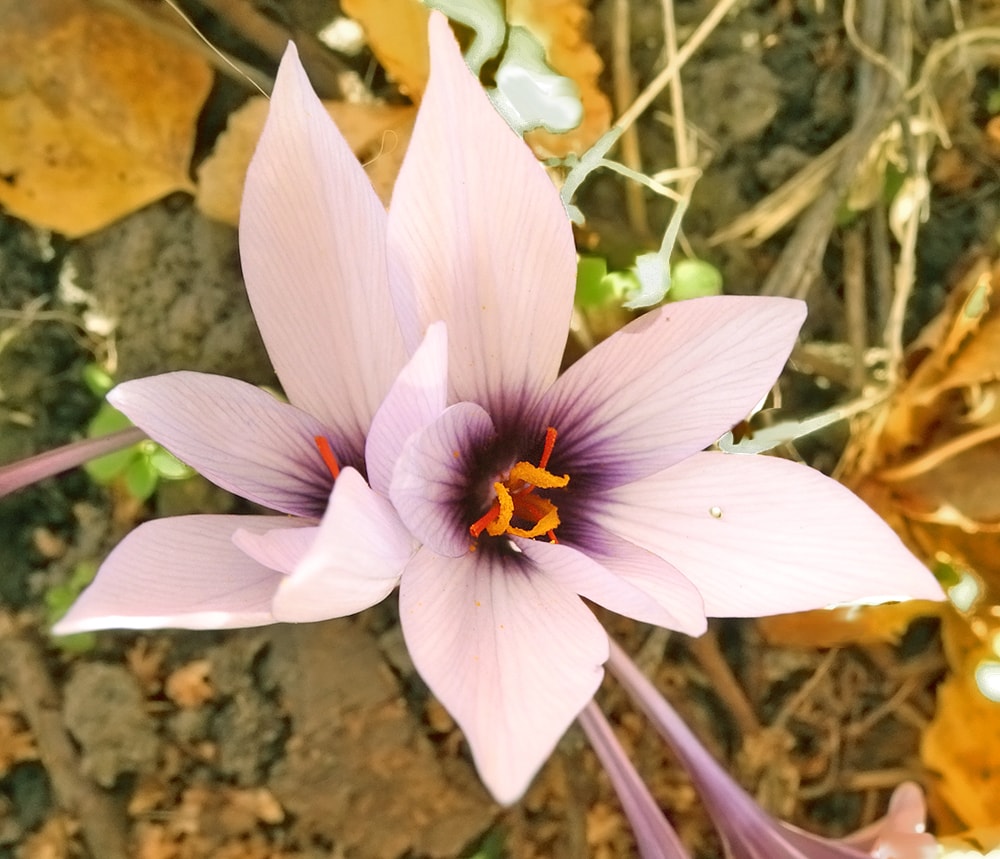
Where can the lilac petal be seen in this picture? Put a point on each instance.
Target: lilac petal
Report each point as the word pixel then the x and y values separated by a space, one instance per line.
pixel 659 579
pixel 236 435
pixel 417 397
pixel 184 573
pixel 430 480
pixel 512 655
pixel 312 242
pixel 668 384
pixel 603 585
pixel 355 561
pixel 654 836
pixel 279 549
pixel 23 473
pixel 747 831
pixel 479 238
pixel 782 538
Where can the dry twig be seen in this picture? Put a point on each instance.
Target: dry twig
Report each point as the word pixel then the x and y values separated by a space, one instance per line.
pixel 22 669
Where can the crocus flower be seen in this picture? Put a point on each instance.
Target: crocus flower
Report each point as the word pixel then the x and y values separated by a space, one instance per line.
pixel 496 513
pixel 747 831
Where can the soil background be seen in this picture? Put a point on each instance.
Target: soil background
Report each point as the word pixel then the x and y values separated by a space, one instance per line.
pixel 321 740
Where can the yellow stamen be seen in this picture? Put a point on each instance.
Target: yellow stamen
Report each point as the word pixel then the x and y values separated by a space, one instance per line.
pixel 548 522
pixel 515 500
pixel 537 477
pixel 502 523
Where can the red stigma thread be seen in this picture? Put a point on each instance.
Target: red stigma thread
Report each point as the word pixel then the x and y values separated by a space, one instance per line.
pixel 329 457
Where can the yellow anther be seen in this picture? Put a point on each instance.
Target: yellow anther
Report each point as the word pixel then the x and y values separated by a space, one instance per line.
pixel 528 473
pixel 548 522
pixel 502 523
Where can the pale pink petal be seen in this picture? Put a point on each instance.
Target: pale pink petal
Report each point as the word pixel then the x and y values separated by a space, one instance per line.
pixel 901 834
pixel 236 435
pixel 431 476
pixel 355 560
pixel 585 576
pixel 184 573
pixel 312 244
pixel 417 397
pixel 479 238
pixel 512 655
pixel 278 549
pixel 668 384
pixel 759 535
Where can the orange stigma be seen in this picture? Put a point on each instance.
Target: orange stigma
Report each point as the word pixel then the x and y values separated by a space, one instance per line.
pixel 329 457
pixel 515 500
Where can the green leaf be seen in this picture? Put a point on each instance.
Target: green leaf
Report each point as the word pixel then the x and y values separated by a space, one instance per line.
pixel 141 478
pixel 694 278
pixel 591 290
pixel 97 379
pixel 104 469
pixel 165 464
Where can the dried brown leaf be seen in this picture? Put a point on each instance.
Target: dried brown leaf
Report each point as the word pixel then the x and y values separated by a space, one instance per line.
pixel 189 686
pixel 841 626
pixel 16 742
pixel 97 115
pixel 962 747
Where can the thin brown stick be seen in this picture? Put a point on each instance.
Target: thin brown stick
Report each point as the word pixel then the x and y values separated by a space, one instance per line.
pixel 672 69
pixel 624 92
pixel 324 68
pixel 855 304
pixel 23 670
pixel 724 683
pixel 172 29
pixel 879 97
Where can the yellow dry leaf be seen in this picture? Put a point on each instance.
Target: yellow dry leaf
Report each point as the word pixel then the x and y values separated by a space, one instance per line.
pixel 837 627
pixel 397 34
pixel 561 26
pixel 396 31
pixel 189 686
pixel 962 747
pixel 377 133
pixel 16 742
pixel 97 115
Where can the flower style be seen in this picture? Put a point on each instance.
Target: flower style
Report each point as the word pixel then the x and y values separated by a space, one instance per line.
pixel 420 351
pixel 747 831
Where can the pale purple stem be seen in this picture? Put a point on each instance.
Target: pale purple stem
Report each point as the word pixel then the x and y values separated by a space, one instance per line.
pixel 747 831
pixel 17 475
pixel 654 836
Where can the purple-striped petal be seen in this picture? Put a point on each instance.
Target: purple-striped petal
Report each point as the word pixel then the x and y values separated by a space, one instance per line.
pixel 479 238
pixel 582 575
pixel 281 548
pixel 417 397
pixel 184 573
pixel 759 535
pixel 431 477
pixel 312 244
pixel 668 384
pixel 512 655
pixel 236 435
pixel 355 561
pixel 681 604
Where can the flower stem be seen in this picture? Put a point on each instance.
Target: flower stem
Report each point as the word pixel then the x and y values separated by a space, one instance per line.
pixel 17 475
